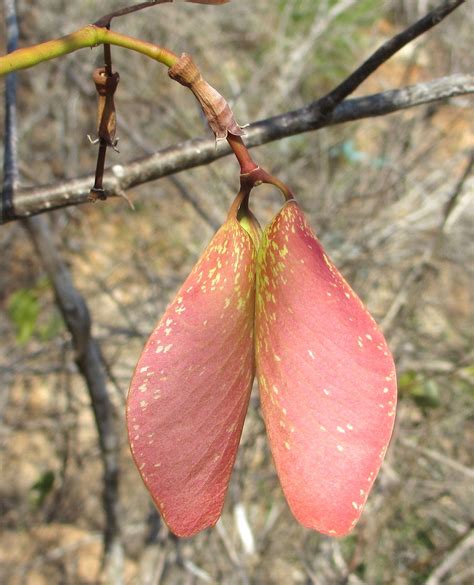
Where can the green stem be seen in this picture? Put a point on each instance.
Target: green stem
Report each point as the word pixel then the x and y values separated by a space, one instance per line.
pixel 89 36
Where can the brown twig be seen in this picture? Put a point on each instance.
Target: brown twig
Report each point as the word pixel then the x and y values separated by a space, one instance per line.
pixel 452 559
pixel 104 21
pixel 407 295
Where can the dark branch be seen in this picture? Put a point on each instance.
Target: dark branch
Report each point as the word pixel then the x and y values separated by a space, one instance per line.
pixel 10 160
pixel 198 152
pixel 90 364
pixel 104 21
pixel 383 53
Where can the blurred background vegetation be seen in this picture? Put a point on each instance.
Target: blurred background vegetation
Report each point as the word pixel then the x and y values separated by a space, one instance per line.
pixel 376 192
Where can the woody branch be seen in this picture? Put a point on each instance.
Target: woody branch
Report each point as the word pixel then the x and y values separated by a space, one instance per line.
pixel 331 109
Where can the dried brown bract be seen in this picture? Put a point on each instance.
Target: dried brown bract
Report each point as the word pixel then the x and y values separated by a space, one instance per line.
pixel 216 109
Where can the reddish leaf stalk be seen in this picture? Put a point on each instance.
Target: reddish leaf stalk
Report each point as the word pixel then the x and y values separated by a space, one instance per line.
pixel 251 175
pixel 247 164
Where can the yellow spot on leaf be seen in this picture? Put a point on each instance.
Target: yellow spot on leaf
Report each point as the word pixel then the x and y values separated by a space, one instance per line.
pixel 284 251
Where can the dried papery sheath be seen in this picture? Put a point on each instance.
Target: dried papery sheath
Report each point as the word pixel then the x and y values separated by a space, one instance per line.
pixel 216 109
pixel 106 115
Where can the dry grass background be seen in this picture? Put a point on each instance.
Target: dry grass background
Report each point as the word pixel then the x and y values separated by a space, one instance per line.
pixel 376 193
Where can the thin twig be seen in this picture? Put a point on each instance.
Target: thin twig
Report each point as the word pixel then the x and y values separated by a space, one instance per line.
pixel 180 186
pixel 451 559
pixel 327 103
pixel 293 67
pixel 231 552
pixel 439 457
pixel 104 21
pixel 10 158
pixel 418 271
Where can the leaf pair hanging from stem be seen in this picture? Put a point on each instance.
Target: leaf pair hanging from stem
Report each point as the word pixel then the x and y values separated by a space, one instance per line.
pixel 270 304
pixel 275 305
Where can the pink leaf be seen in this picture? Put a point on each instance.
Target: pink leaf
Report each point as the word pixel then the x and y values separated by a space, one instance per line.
pixel 190 391
pixel 326 377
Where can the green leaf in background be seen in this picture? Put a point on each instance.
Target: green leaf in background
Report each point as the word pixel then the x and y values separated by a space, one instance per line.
pixel 23 308
pixel 41 488
pixel 26 308
pixel 465 378
pixel 423 391
pixel 342 36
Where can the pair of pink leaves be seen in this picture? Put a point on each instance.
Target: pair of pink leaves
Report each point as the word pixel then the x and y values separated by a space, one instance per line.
pixel 326 378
